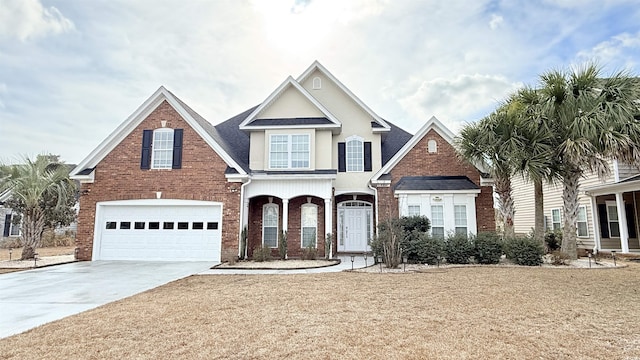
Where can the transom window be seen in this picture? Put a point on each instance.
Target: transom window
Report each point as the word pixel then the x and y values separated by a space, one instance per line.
pixel 289 151
pixel 460 217
pixel 270 225
pixel 309 225
pixel 355 154
pixel 162 154
pixel 437 221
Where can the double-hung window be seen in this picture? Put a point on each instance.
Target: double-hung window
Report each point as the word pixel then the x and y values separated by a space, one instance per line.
pixel 270 225
pixel 437 221
pixel 413 210
pixel 583 230
pixel 162 154
pixel 460 217
pixel 309 225
pixel 614 223
pixel 289 151
pixel 556 219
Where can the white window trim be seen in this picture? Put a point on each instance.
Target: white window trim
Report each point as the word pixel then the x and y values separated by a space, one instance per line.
pixel 552 220
pixel 346 152
pixel 289 152
pixel 466 219
pixel 308 205
pixel 614 205
pixel 316 83
pixel 439 226
pixel 12 226
pixel 586 221
pixel 264 210
pixel 153 148
pixel 432 146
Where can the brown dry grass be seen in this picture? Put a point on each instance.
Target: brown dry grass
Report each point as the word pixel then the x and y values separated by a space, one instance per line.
pixel 481 313
pixel 45 251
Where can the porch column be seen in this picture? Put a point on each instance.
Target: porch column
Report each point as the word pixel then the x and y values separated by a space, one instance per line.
pixel 285 215
pixel 328 225
pixel 596 223
pixel 622 223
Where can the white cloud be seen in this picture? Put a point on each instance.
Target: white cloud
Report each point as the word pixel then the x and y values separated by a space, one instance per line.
pixel 28 19
pixel 457 99
pixel 496 21
pixel 620 51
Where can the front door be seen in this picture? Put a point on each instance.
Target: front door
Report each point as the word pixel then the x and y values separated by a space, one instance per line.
pixel 355 227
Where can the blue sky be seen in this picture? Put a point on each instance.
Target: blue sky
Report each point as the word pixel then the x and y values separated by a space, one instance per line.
pixel 71 71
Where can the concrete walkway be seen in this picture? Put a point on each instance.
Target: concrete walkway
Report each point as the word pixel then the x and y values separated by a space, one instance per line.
pixel 345 264
pixel 35 297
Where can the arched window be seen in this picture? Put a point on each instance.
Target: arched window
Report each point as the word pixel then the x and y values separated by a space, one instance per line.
pixel 162 154
pixel 432 146
pixel 270 225
pixel 355 154
pixel 317 83
pixel 309 222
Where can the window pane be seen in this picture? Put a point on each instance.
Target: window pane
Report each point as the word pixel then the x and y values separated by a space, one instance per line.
pixel 582 229
pixel 355 155
pixel 270 237
pixel 460 213
pixel 437 232
pixel 197 226
pixel 270 225
pixel 582 213
pixel 309 224
pixel 154 225
pixel 461 230
pixel 167 225
pixel 212 226
pixel 613 213
pixel 125 225
pixel 299 151
pixel 414 210
pixel 183 226
pixel 437 216
pixel 162 145
pixel 279 152
pixel 308 236
pixel 614 229
pixel 111 225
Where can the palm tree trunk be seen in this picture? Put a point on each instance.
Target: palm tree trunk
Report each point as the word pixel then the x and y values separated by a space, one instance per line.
pixel 32 228
pixel 570 198
pixel 505 205
pixel 538 198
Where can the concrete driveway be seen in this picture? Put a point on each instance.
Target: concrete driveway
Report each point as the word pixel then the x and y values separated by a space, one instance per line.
pixel 35 297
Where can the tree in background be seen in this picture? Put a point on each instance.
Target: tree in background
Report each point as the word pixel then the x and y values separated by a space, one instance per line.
pixel 42 193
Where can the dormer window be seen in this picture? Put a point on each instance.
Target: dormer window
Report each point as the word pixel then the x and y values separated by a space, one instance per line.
pixel 317 83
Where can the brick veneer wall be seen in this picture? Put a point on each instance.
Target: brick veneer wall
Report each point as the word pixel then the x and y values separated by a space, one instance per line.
pixel 119 177
pixel 419 162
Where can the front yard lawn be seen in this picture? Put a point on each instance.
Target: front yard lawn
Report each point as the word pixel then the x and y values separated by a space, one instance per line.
pixel 480 313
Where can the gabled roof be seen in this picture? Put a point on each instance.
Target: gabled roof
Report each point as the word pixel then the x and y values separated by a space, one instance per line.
pixel 384 127
pixel 290 83
pixel 432 124
pixel 199 124
pixel 435 183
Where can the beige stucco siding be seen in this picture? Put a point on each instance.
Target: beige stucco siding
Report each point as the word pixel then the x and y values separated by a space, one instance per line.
pixel 256 150
pixel 290 104
pixel 324 151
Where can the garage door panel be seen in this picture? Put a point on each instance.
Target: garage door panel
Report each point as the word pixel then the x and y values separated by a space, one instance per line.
pixel 193 241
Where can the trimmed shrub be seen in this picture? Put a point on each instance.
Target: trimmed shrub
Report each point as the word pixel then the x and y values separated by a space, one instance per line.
pixel 243 242
pixel 309 253
pixel 553 240
pixel 487 248
pixel 458 249
pixel 282 245
pixel 262 253
pixel 428 249
pixel 327 245
pixel 524 251
pixel 413 227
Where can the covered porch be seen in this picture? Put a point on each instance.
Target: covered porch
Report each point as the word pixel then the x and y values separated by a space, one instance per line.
pixel 615 208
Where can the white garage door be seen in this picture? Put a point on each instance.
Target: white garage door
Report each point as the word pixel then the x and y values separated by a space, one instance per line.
pixel 168 230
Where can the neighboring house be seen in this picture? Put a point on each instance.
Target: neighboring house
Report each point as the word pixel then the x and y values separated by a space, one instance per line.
pixel 312 159
pixel 608 212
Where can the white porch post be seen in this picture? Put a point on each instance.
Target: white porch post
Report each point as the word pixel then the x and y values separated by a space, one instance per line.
pixel 622 223
pixel 328 223
pixel 596 223
pixel 285 215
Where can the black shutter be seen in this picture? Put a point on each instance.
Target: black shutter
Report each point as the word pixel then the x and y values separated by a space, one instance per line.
pixel 7 225
pixel 177 149
pixel 145 157
pixel 604 222
pixel 367 156
pixel 342 157
pixel 631 220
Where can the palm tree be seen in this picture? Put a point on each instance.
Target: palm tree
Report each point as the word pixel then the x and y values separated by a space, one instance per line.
pixel 591 118
pixel 31 183
pixel 534 159
pixel 490 143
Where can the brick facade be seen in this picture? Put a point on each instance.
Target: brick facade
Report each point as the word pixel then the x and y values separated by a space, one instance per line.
pixel 445 162
pixel 119 177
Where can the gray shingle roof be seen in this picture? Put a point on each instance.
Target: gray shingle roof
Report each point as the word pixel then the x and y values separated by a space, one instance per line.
pixel 437 183
pixel 291 121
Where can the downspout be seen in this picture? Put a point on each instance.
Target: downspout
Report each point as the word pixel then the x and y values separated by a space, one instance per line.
pixel 242 220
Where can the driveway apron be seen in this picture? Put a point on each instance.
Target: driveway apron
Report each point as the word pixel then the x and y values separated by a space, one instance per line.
pixel 35 297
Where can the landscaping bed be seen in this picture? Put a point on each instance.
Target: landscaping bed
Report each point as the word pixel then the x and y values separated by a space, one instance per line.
pixel 278 264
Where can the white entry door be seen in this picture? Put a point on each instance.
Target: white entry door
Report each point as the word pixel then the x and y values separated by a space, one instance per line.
pixel 355 225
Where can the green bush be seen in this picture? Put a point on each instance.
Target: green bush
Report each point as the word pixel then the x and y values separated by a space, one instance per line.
pixel 487 248
pixel 429 248
pixel 262 253
pixel 413 227
pixel 553 240
pixel 458 249
pixel 388 242
pixel 524 251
